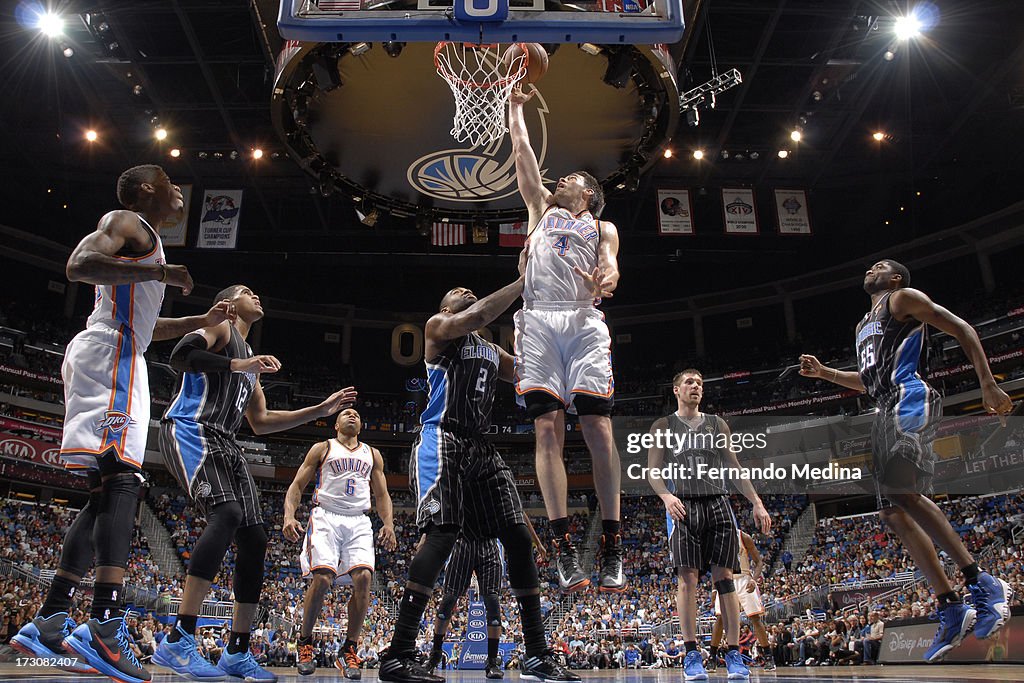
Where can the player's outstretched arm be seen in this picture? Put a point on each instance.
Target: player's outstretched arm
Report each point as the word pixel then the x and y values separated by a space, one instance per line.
pixel 265 421
pixel 93 262
pixel 531 185
pixel 812 367
pixel 379 488
pixel 172 328
pixel 292 530
pixel 444 327
pixel 608 257
pixel 912 303
pixel 762 519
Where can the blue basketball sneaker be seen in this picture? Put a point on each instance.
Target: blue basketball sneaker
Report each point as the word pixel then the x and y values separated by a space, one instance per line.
pixel 735 666
pixel 107 647
pixel 992 600
pixel 693 667
pixel 955 622
pixel 43 638
pixel 243 665
pixel 184 659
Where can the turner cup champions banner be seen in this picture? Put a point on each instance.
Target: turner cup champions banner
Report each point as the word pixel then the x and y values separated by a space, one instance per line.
pixel 474 647
pixel 218 222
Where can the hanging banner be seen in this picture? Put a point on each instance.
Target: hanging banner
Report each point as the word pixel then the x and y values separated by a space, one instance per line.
pixel 172 231
pixel 675 212
pixel 512 234
pixel 738 209
pixel 218 225
pixel 791 210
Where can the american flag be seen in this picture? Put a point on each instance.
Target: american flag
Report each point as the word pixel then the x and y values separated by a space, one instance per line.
pixel 448 234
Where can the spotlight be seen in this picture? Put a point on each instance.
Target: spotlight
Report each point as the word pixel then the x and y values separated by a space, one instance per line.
pixel 754 156
pixel 620 68
pixel 725 154
pixel 160 134
pixel 325 71
pixel 783 153
pixel 590 49
pixel 326 184
pixel 796 135
pixel 698 154
pixel 369 219
pixel 233 155
pixel 668 152
pixel 393 48
pixel 633 181
pixel 907 27
pixel 878 135
pixel 257 153
pixel 114 46
pixel 177 153
pixel 889 55
pixel 692 117
pixel 202 155
pixel 69 52
pixel 137 90
pixel 91 135
pixel 357 49
pixel 218 155
pixel 50 24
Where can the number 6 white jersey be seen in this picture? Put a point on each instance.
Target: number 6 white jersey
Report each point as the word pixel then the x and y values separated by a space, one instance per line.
pixel 343 481
pixel 560 242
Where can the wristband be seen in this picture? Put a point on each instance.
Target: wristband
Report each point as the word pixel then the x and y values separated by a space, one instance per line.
pixel 163 273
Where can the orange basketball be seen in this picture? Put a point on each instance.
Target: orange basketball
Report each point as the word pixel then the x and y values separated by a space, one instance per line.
pixel 537 60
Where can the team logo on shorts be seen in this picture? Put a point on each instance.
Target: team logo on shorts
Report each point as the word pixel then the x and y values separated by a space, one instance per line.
pixel 115 421
pixel 433 507
pixel 203 489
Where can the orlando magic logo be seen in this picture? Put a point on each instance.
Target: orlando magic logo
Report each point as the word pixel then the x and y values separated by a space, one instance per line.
pixel 479 174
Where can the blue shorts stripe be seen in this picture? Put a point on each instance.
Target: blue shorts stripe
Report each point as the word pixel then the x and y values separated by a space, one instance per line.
pixel 910 411
pixel 428 460
pixel 189 443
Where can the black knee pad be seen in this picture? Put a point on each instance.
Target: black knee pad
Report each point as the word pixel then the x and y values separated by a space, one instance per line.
pixel 522 570
pixel 250 554
pixel 447 606
pixel 115 518
pixel 77 554
pixel 592 405
pixel 492 606
pixel 434 552
pixel 725 586
pixel 208 554
pixel 541 403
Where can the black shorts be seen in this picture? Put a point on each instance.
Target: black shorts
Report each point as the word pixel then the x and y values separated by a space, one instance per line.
pixel 481 557
pixel 902 434
pixel 461 480
pixel 210 467
pixel 708 537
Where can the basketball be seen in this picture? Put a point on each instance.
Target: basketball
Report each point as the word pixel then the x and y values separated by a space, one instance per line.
pixel 536 62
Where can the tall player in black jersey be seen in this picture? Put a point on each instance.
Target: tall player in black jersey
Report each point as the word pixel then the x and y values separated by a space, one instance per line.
pixel 702 528
pixel 219 384
pixel 461 482
pixel 890 340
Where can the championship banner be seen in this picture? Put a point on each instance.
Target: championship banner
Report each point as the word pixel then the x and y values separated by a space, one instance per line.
pixel 739 211
pixel 474 647
pixel 675 212
pixel 172 232
pixel 218 225
pixel 791 211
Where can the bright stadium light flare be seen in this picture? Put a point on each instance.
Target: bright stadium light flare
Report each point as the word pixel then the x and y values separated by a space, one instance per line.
pixel 668 153
pixel 783 153
pixel 796 135
pixel 50 24
pixel 175 152
pixel 91 135
pixel 257 153
pixel 161 133
pixel 907 27
pixel 698 154
pixel 879 136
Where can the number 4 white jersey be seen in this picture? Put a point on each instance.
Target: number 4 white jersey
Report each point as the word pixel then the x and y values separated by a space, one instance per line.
pixel 560 242
pixel 343 481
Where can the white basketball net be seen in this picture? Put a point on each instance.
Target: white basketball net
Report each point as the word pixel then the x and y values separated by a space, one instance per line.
pixel 481 82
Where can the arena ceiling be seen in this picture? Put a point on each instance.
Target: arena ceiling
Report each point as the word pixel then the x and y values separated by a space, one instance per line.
pixel 950 104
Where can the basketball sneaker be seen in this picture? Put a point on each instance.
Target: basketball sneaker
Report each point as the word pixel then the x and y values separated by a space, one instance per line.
pixel 306 664
pixel 434 660
pixel 403 668
pixel 183 658
pixel 106 646
pixel 769 662
pixel 992 601
pixel 570 575
pixel 493 668
pixel 612 575
pixel 348 663
pixel 545 668
pixel 43 638
pixel 693 667
pixel 955 622
pixel 711 666
pixel 243 665
pixel 735 666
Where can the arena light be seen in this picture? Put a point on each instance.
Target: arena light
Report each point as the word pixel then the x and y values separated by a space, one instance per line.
pixel 783 153
pixel 698 154
pixel 796 135
pixel 878 136
pixel 257 154
pixel 51 25
pixel 907 27
pixel 668 152
pixel 175 152
pixel 160 133
pixel 91 135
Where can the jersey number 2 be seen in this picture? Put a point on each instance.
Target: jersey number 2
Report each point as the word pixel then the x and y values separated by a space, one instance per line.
pixel 481 382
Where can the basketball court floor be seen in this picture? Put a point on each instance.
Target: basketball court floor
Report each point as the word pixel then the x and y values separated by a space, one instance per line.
pixel 974 673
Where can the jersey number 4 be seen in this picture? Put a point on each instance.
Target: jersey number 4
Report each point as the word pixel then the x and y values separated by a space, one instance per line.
pixel 562 245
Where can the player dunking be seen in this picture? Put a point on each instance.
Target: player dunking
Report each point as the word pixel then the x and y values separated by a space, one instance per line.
pixel 106 397
pixel 751 605
pixel 702 529
pixel 889 342
pixel 219 385
pixel 338 545
pixel 484 558
pixel 461 482
pixel 563 349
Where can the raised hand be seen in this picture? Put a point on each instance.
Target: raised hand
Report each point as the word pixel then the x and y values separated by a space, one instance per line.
pixel 339 400
pixel 260 365
pixel 598 282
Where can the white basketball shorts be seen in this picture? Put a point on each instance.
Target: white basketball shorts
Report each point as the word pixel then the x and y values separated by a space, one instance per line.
pixel 339 543
pixel 750 603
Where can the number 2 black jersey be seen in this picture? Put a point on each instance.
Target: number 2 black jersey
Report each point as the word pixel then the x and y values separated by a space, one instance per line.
pixel 889 351
pixel 461 383
pixel 218 399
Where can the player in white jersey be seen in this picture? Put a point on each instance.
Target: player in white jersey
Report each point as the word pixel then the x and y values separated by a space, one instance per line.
pixel 563 348
pixel 751 565
pixel 338 546
pixel 107 418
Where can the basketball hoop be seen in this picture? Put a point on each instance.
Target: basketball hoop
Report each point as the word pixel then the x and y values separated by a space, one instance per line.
pixel 481 80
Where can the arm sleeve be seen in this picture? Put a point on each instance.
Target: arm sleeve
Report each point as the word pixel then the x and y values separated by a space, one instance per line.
pixel 191 355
